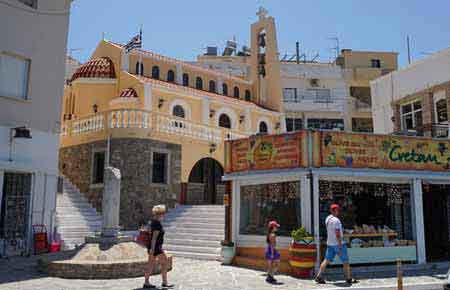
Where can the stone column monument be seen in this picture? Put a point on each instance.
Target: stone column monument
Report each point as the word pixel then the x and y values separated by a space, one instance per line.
pixel 110 255
pixel 111 203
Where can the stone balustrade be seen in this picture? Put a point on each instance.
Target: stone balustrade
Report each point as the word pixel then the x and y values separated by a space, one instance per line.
pixel 157 123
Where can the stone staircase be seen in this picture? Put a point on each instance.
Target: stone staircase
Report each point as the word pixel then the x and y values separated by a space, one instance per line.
pixel 194 231
pixel 75 217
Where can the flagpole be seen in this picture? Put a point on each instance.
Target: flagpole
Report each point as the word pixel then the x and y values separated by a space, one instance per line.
pixel 141 64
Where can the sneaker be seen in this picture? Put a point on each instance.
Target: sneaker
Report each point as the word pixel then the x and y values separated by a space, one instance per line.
pixel 320 280
pixel 270 279
pixel 166 285
pixel 351 281
pixel 148 286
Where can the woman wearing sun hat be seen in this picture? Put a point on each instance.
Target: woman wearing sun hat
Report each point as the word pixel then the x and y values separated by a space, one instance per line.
pixel 272 255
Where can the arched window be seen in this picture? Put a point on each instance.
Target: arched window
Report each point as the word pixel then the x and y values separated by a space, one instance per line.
pixel 178 111
pixel 170 76
pixel 139 68
pixel 212 86
pixel 185 80
pixel 236 92
pixel 224 89
pixel 263 128
pixel 248 95
pixel 199 83
pixel 224 121
pixel 155 72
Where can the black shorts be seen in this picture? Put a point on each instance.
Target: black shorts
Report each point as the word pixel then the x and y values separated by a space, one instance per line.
pixel 158 251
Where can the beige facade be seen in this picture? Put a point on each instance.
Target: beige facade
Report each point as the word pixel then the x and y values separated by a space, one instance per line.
pixel 32 63
pixel 414 100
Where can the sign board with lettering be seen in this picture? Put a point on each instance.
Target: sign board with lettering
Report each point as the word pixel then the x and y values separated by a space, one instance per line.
pixel 266 152
pixel 338 149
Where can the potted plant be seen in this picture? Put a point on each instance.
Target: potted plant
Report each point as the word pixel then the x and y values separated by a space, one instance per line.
pixel 302 253
pixel 228 252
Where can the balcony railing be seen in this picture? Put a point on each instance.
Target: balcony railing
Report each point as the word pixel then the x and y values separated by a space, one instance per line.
pixel 312 96
pixel 360 105
pixel 440 131
pixel 155 123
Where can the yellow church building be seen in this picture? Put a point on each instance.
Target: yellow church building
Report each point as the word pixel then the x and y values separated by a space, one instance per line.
pixel 163 122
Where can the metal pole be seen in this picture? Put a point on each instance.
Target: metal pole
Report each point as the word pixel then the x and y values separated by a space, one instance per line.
pixel 409 49
pixel 297 52
pixel 399 275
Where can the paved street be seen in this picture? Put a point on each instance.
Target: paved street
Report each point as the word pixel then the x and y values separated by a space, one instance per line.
pixel 20 273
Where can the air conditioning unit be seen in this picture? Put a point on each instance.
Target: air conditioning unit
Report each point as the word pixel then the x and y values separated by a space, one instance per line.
pixel 314 83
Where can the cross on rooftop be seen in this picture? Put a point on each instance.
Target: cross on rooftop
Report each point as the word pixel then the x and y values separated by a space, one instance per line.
pixel 262 13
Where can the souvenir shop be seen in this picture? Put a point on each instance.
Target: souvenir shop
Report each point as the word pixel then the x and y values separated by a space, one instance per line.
pixel 386 186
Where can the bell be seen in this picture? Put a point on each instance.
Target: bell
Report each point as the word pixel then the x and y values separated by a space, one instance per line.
pixel 22 132
pixel 262 40
pixel 262 58
pixel 262 70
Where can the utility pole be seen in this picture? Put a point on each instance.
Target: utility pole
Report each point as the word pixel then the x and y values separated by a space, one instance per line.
pixel 297 52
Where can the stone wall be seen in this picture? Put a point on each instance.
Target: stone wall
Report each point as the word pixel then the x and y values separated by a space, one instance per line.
pixel 134 159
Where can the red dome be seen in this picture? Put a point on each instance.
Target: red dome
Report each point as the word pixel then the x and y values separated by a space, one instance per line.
pixel 128 93
pixel 101 67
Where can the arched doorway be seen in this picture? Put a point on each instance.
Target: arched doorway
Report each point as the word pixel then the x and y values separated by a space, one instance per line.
pixel 205 184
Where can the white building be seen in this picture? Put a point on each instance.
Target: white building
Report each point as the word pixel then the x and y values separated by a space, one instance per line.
pixel 315 96
pixel 414 99
pixel 32 64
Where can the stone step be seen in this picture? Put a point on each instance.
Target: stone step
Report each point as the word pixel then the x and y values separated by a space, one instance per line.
pixel 82 211
pixel 194 236
pixel 191 219
pixel 204 209
pixel 77 217
pixel 194 230
pixel 198 256
pixel 77 228
pixel 195 243
pixel 183 224
pixel 77 235
pixel 77 223
pixel 192 249
pixel 195 215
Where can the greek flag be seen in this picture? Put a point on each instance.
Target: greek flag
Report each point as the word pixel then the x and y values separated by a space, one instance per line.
pixel 135 42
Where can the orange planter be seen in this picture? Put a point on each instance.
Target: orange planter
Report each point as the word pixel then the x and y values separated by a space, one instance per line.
pixel 302 257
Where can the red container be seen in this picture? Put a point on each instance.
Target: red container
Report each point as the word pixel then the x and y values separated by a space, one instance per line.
pixel 143 238
pixel 55 247
pixel 40 240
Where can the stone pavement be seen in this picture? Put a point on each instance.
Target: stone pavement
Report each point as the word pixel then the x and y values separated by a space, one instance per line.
pixel 21 274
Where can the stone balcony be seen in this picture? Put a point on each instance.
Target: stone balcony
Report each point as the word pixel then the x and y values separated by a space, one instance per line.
pixel 137 123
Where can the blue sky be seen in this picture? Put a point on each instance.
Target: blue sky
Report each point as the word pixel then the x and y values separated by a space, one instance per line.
pixel 183 28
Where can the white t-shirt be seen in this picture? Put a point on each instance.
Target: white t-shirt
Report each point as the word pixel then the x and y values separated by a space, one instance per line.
pixel 333 223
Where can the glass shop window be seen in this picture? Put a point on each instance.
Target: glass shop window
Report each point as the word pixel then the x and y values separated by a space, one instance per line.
pixel 264 202
pixel 371 209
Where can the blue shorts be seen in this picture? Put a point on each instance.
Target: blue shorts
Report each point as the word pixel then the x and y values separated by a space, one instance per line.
pixel 333 251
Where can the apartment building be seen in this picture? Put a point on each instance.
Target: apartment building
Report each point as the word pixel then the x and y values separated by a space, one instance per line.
pixel 414 100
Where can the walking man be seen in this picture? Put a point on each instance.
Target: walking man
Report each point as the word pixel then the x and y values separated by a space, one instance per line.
pixel 335 245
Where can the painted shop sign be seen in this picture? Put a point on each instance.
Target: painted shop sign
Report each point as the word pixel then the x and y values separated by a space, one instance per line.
pixel 265 152
pixel 381 151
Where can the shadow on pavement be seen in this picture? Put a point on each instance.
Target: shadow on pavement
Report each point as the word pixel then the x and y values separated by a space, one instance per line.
pixel 16 269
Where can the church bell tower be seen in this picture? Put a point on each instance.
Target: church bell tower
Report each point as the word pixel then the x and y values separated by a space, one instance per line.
pixel 265 64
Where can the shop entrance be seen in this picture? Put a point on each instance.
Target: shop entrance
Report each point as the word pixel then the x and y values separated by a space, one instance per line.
pixel 436 205
pixel 14 213
pixel 205 183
